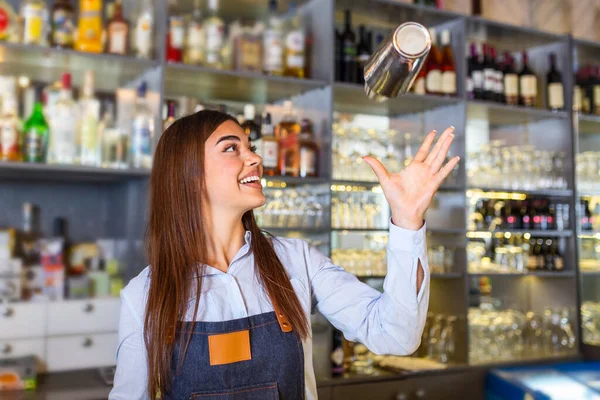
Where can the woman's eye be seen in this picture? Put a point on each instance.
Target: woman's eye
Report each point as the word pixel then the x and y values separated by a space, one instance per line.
pixel 231 146
pixel 253 149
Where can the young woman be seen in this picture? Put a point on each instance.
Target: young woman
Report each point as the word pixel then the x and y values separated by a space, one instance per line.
pixel 223 311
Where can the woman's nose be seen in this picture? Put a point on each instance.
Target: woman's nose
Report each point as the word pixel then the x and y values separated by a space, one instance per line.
pixel 253 159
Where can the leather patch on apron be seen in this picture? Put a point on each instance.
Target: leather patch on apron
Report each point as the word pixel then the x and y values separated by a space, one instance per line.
pixel 228 348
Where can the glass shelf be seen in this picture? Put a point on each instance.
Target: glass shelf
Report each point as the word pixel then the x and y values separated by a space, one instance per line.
pixel 64 173
pixel 533 192
pixel 532 232
pixel 540 274
pixel 210 83
pixel 504 114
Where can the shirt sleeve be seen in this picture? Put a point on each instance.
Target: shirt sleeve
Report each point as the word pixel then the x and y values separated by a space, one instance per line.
pixel 391 322
pixel 131 376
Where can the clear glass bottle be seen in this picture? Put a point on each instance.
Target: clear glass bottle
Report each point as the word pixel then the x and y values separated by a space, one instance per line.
pixel 142 132
pixel 295 44
pixel 115 141
pixel 248 47
pixel 34 13
pixel 144 27
pixel 117 30
pixel 88 128
pixel 309 151
pixel 270 147
pixel 194 44
pixel 287 132
pixel 214 29
pixel 35 134
pixel 10 130
pixel 273 42
pixel 89 30
pixel 64 120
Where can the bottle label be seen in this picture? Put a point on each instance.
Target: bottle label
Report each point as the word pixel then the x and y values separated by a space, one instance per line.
pixel 9 139
pixel 308 161
pixel 89 29
pixel 4 21
pixel 63 27
pixel 89 129
pixel 477 79
pixel 141 138
pixel 489 80
pixel 270 153
pixel 195 43
pixel 177 33
pixel 596 98
pixel 433 81
pixel 63 134
pixel 577 95
pixel 34 145
pixel 420 86
pixel 469 86
pixel 295 61
pixel 555 95
pixel 34 24
pixel 349 49
pixel 118 39
pixel 499 82
pixel 214 37
pixel 273 51
pixel 295 41
pixel 528 85
pixel 511 85
pixel 449 82
pixel 143 34
pixel 251 56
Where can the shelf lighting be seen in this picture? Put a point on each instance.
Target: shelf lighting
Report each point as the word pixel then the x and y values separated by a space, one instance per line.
pixel 273 184
pixel 496 195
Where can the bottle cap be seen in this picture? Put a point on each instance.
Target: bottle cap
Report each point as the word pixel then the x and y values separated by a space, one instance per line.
pixel 445 37
pixel 66 80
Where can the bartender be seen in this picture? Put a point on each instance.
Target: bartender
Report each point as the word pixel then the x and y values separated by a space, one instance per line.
pixel 223 310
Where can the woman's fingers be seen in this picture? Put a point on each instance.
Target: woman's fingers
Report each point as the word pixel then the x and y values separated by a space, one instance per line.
pixel 445 171
pixel 442 153
pixel 436 149
pixel 424 150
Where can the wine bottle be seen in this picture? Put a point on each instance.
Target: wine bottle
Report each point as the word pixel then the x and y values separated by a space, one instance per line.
pixel 363 53
pixel 511 81
pixel 433 80
pixel 489 74
pixel 527 85
pixel 555 87
pixel 475 74
pixel 498 77
pixel 448 66
pixel 348 51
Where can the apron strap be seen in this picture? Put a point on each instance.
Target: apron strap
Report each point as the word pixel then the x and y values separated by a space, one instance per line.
pixel 284 323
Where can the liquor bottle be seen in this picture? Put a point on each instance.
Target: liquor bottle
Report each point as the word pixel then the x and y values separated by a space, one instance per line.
pixel 144 26
pixel 175 38
pixel 309 151
pixel 117 29
pixel 577 92
pixel 337 354
pixel 349 66
pixel 363 53
pixel 511 81
pixel 60 230
pixel 555 87
pixel 248 52
pixel 29 249
pixel 33 13
pixel 194 44
pixel 9 23
pixel 448 66
pixel 270 147
pixel 559 263
pixel 433 81
pixel 499 77
pixel 249 125
pixel 214 30
pixel 594 82
pixel 10 129
pixel 63 24
pixel 142 131
pixel 89 32
pixel 35 134
pixel 64 121
pixel 273 42
pixel 89 108
pixel 295 46
pixel 489 74
pixel 115 142
pixel 587 90
pixel 475 75
pixel 170 115
pixel 527 85
pixel 287 132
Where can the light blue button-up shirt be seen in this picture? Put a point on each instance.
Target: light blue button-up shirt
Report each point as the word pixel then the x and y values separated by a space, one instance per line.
pixel 387 323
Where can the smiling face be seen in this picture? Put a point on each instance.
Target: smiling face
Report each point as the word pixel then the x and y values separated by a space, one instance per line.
pixel 233 170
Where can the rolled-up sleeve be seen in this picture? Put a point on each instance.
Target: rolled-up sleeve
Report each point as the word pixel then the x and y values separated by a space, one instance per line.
pixel 131 376
pixel 391 322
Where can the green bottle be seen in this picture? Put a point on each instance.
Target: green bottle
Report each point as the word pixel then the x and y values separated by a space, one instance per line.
pixel 35 136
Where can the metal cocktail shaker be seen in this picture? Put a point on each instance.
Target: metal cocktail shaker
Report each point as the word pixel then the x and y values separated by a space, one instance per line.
pixel 393 67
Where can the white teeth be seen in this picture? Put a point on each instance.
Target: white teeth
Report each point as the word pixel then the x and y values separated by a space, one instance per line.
pixel 250 179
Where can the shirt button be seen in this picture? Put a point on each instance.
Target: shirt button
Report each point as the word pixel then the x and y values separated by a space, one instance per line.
pixel 417 240
pixel 241 313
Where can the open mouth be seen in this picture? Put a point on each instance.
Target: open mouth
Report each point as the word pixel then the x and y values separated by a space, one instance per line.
pixel 251 181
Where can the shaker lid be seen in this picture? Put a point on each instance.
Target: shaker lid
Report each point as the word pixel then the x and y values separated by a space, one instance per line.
pixel 412 39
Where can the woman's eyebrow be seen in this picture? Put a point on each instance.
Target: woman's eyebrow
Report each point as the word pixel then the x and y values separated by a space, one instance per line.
pixel 231 137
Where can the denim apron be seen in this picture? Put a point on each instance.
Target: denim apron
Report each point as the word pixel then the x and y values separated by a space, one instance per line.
pixel 274 371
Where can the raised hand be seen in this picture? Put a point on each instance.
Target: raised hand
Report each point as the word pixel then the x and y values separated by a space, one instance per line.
pixel 410 191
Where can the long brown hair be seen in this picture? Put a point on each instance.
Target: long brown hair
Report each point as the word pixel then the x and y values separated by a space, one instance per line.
pixel 176 247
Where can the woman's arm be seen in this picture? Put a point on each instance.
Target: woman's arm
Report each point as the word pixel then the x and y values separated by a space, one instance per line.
pixel 387 323
pixel 131 377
